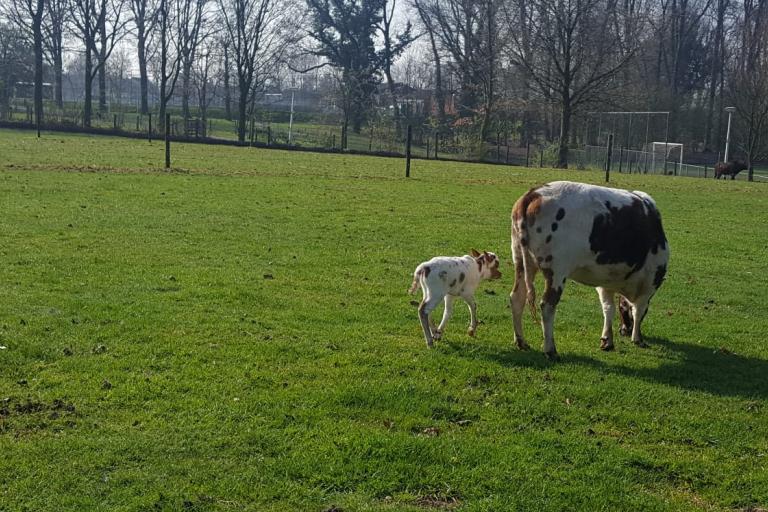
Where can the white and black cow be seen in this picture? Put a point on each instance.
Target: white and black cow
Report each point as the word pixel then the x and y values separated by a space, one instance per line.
pixel 607 238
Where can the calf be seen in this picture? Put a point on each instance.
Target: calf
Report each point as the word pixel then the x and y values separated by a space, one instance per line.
pixel 445 278
pixel 607 238
pixel 723 169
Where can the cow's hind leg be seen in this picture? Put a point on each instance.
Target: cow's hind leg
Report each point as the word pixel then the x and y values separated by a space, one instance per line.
pixel 639 309
pixel 554 282
pixel 425 308
pixel 517 299
pixel 625 316
pixel 609 309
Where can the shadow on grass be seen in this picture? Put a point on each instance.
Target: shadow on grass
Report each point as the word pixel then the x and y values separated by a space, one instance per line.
pixel 683 365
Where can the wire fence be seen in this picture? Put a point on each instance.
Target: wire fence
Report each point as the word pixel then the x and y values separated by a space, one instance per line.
pixel 645 162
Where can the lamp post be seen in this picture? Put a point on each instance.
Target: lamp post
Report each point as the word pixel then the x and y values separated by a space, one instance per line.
pixel 730 111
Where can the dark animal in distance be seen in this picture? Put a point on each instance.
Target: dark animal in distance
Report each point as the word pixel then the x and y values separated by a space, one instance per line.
pixel 732 168
pixel 607 238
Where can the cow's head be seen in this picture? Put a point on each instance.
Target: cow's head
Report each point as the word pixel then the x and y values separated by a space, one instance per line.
pixel 487 263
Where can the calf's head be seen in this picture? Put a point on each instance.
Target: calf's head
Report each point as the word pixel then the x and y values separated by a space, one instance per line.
pixel 487 264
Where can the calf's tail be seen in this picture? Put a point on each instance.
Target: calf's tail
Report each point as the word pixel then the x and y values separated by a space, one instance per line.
pixel 416 278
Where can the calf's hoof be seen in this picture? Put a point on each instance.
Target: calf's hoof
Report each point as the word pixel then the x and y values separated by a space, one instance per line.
pixel 437 334
pixel 521 344
pixel 624 331
pixel 640 343
pixel 471 332
pixel 552 356
pixel 430 344
pixel 606 344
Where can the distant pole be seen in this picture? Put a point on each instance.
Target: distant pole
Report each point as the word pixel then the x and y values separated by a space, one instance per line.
pixel 149 128
pixel 167 141
pixel 541 156
pixel 408 153
pixel 290 122
pixel 608 158
pixel 138 116
pixel 528 154
pixel 437 134
pixel 506 160
pixel 621 158
pixel 498 147
pixel 730 111
pixel 666 145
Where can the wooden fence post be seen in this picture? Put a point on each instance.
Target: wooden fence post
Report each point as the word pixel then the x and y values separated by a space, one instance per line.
pixel 408 154
pixel 149 128
pixel 167 141
pixel 528 154
pixel 608 158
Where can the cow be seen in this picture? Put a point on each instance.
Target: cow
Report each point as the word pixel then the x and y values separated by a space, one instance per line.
pixel 607 238
pixel 732 168
pixel 444 278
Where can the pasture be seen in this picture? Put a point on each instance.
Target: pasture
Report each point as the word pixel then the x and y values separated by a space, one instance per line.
pixel 236 335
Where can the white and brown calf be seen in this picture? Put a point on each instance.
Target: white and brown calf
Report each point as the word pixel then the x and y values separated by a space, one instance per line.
pixel 607 238
pixel 445 278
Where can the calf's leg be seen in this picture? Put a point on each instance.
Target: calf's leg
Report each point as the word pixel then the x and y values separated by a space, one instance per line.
pixel 446 316
pixel 425 308
pixel 472 315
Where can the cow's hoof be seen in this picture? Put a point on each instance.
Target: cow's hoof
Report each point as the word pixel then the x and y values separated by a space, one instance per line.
pixel 471 333
pixel 521 344
pixel 437 334
pixel 430 344
pixel 641 344
pixel 624 331
pixel 606 344
pixel 552 356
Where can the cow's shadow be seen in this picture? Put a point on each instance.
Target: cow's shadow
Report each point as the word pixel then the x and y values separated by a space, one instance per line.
pixel 689 366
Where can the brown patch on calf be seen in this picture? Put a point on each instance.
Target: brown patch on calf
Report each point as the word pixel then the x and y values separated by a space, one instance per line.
pixel 426 271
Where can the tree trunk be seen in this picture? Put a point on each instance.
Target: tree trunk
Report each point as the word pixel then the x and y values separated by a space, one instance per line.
pixel 103 68
pixel 186 80
pixel 87 107
pixel 242 111
pixel 227 92
pixel 565 128
pixel 38 44
pixel 58 79
pixel 143 75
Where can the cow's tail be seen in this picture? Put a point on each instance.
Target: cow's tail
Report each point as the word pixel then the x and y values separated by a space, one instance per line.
pixel 524 262
pixel 417 276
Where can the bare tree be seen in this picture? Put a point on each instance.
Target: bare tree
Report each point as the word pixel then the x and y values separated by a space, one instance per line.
pixel 394 46
pixel 169 62
pixel 749 86
pixel 15 62
pixel 193 30
pixel 430 30
pixel 100 27
pixel 144 17
pixel 575 53
pixel 258 35
pixel 57 15
pixel 205 83
pixel 28 16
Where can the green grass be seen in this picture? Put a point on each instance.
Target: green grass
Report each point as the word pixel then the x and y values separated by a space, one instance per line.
pixel 235 335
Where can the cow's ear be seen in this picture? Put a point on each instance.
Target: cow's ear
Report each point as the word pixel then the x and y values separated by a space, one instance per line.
pixel 474 253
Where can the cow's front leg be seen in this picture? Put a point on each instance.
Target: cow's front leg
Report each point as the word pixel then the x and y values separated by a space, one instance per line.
pixel 472 315
pixel 437 333
pixel 553 289
pixel 609 309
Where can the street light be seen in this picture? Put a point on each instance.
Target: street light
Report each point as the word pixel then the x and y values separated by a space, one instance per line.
pixel 730 111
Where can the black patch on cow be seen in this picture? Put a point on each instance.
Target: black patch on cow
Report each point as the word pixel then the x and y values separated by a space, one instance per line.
pixel 627 234
pixel 453 283
pixel 661 271
pixel 524 242
pixel 554 227
pixel 560 214
pixel 549 239
pixel 461 277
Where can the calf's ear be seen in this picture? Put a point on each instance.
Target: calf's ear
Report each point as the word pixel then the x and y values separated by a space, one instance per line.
pixel 474 253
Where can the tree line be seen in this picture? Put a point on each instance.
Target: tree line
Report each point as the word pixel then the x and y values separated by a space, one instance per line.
pixel 536 67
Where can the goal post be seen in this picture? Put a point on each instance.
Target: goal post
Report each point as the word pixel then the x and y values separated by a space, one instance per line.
pixel 662 151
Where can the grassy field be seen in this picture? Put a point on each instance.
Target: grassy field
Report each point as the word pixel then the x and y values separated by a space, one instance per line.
pixel 236 335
